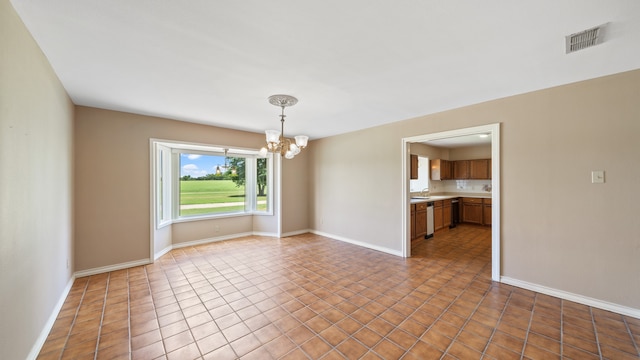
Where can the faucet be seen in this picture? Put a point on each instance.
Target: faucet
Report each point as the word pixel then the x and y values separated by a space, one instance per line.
pixel 424 192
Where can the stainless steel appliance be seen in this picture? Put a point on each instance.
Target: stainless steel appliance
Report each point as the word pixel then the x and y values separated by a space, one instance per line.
pixel 430 226
pixel 455 213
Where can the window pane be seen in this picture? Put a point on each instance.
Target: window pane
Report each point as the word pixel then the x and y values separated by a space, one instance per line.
pixel 211 184
pixel 261 185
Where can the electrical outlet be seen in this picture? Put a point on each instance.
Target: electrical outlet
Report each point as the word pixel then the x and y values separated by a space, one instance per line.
pixel 216 228
pixel 597 177
pixel 68 263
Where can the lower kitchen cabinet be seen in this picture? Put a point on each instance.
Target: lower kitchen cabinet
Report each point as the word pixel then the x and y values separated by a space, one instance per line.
pixel 418 222
pixel 476 211
pixel 486 212
pixel 446 213
pixel 438 215
pixel 472 210
pixel 421 220
pixel 441 214
pixel 413 221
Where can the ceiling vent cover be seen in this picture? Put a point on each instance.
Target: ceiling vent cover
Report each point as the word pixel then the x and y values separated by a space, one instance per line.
pixel 585 39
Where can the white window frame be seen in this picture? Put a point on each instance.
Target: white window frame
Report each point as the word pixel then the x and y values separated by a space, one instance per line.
pixel 171 176
pixel 162 173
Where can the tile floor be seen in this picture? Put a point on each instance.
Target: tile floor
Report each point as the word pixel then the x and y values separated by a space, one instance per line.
pixel 311 297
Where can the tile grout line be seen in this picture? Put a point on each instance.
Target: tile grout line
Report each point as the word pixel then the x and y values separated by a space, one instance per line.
pixel 75 316
pixel 484 296
pixel 178 303
pixel 129 315
pixel 561 328
pixel 209 311
pixel 104 306
pixel 633 340
pixel 495 328
pixel 595 332
pixel 144 268
pixel 526 336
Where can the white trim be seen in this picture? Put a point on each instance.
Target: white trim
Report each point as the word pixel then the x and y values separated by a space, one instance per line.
pixel 494 130
pixel 162 252
pixel 358 243
pixel 46 329
pixel 581 299
pixel 293 233
pixel 104 269
pixel 264 233
pixel 210 240
pixel 278 201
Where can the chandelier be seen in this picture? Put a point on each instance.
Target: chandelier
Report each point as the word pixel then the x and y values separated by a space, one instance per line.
pixel 276 142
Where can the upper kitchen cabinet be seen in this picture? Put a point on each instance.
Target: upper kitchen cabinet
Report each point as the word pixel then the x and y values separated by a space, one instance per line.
pixel 461 169
pixel 441 169
pixel 414 167
pixel 480 169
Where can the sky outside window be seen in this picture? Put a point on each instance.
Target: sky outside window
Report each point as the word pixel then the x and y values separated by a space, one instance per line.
pixel 197 165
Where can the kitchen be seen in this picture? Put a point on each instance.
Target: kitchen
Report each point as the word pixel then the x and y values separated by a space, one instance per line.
pixel 450 183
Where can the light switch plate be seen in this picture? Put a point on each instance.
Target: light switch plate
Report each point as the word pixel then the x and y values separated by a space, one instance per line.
pixel 597 177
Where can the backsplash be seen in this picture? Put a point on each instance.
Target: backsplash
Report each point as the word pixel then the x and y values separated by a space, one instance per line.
pixel 461 186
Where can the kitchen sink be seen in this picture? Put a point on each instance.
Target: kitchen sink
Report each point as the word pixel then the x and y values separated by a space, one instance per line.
pixel 420 197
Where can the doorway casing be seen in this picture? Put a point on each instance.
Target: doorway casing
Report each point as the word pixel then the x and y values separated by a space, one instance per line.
pixel 494 131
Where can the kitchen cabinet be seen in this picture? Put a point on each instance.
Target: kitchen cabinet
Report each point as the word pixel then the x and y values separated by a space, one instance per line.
pixel 461 169
pixel 414 167
pixel 441 169
pixel 446 213
pixel 486 212
pixel 479 169
pixel 472 210
pixel 441 214
pixel 438 216
pixel 413 222
pixel 421 220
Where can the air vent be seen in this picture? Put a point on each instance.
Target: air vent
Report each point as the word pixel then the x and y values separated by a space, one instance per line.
pixel 585 39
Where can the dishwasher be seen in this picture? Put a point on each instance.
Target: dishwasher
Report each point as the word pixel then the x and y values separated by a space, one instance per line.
pixel 430 226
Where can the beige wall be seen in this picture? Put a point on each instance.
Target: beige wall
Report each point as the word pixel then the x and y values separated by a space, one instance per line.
pixel 112 186
pixel 295 194
pixel 35 188
pixel 558 229
pixel 470 153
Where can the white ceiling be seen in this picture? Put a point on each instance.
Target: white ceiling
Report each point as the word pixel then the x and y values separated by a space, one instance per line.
pixel 352 64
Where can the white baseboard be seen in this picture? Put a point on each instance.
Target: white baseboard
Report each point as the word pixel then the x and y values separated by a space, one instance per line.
pixel 157 255
pixel 104 269
pixel 37 346
pixel 209 240
pixel 585 300
pixel 358 243
pixel 293 233
pixel 261 233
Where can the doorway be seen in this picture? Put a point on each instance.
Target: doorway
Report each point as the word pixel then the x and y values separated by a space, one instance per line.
pixel 494 131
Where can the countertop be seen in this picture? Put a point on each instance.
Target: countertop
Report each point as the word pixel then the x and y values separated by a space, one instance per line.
pixel 451 196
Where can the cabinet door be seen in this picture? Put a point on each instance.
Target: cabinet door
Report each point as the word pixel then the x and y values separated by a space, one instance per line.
pixel 446 170
pixel 472 213
pixel 414 167
pixel 421 223
pixel 486 214
pixel 413 221
pixel 446 214
pixel 437 217
pixel 461 169
pixel 479 169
